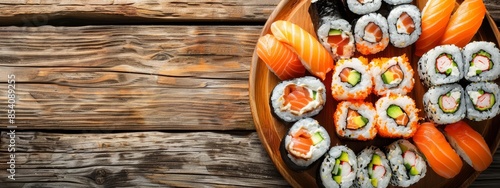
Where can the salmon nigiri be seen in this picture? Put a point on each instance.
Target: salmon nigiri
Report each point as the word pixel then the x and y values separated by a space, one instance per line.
pixel 440 156
pixel 314 56
pixel 435 17
pixel 281 60
pixel 469 144
pixel 464 23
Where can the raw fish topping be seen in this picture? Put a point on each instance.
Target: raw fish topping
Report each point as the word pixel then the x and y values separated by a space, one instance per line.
pixel 405 24
pixel 373 33
pixel 300 99
pixel 355 120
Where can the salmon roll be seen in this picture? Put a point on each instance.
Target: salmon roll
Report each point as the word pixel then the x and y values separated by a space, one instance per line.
pixel 441 65
pixel 304 144
pixel 373 168
pixel 407 163
pixel 481 61
pixel 338 168
pixel 404 25
pixel 392 75
pixel 362 7
pixel 445 104
pixel 351 79
pixel 371 34
pixel 481 101
pixel 469 144
pixel 298 98
pixel 355 120
pixel 396 116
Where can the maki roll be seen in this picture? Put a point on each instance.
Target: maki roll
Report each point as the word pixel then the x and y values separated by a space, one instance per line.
pixel 334 32
pixel 441 65
pixel 404 25
pixel 351 79
pixel 481 61
pixel 371 34
pixel 407 164
pixel 396 116
pixel 361 7
pixel 373 168
pixel 305 143
pixel 445 104
pixel 338 168
pixel 298 98
pixel 481 100
pixel 397 2
pixel 392 75
pixel 355 120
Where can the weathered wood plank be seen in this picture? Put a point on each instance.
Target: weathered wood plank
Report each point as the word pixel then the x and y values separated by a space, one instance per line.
pixel 493 7
pixel 41 12
pixel 129 77
pixel 145 159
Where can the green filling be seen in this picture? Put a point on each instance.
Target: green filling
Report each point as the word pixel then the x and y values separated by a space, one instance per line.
pixel 374 182
pixel 316 138
pixel 394 111
pixel 453 64
pixel 344 157
pixel 448 111
pixel 360 121
pixel 337 179
pixel 314 95
pixel 336 167
pixel 481 53
pixel 403 148
pixel 333 32
pixel 354 78
pixel 414 171
pixel 376 160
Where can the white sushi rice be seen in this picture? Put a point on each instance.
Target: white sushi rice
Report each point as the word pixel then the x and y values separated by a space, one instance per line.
pixel 427 66
pixel 402 40
pixel 359 32
pixel 364 8
pixel 309 82
pixel 399 173
pixel 329 163
pixel 368 132
pixel 397 2
pixel 364 85
pixel 476 115
pixel 407 105
pixel 343 25
pixel 381 88
pixel 364 158
pixel 475 47
pixel 431 104
pixel 316 151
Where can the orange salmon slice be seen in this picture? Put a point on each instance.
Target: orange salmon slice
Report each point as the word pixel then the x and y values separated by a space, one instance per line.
pixel 302 141
pixel 297 96
pixel 375 30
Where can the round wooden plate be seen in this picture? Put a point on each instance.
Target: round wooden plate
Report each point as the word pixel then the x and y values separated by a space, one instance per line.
pixel 271 130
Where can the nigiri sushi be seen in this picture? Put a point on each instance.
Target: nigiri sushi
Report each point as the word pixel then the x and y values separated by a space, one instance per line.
pixel 464 23
pixel 281 60
pixel 438 152
pixel 314 56
pixel 435 17
pixel 469 144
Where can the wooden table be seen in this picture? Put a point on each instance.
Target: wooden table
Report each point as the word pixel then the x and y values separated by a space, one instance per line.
pixel 136 93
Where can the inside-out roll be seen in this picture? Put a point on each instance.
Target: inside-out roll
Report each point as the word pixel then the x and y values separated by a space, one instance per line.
pixel 373 168
pixel 441 65
pixel 392 75
pixel 351 79
pixel 407 164
pixel 481 61
pixel 338 168
pixel 482 100
pixel 445 104
pixel 355 120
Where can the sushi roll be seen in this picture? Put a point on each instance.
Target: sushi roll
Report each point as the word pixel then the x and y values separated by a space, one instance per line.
pixel 481 100
pixel 364 7
pixel 392 75
pixel 445 104
pixel 396 116
pixel 371 34
pixel 355 120
pixel 373 168
pixel 404 25
pixel 338 168
pixel 304 144
pixel 298 98
pixel 351 79
pixel 469 144
pixel 407 164
pixel 481 61
pixel 441 65
pixel 334 32
pixel 397 2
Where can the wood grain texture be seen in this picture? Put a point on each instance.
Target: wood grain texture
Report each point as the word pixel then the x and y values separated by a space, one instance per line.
pixel 129 77
pixel 144 159
pixel 41 12
pixel 493 7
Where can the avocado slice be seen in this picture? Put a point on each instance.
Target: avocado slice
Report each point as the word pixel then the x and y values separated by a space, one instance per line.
pixel 334 32
pixel 344 157
pixel 317 138
pixel 407 166
pixel 376 160
pixel 387 77
pixel 414 171
pixel 374 182
pixel 394 111
pixel 360 121
pixel 336 167
pixel 337 179
pixel 403 148
pixel 354 77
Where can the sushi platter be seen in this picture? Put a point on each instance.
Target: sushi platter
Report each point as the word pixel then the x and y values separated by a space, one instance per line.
pixel 329 124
